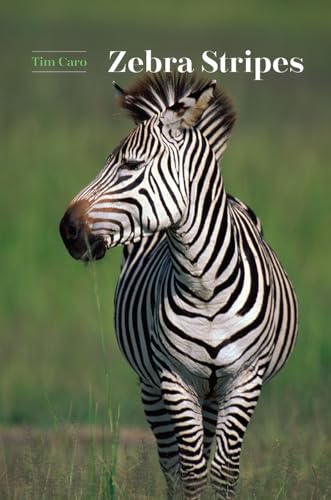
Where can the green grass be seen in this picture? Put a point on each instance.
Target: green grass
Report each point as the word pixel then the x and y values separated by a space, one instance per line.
pixel 76 462
pixel 55 134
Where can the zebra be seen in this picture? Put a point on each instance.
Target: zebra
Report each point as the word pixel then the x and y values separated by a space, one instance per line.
pixel 204 311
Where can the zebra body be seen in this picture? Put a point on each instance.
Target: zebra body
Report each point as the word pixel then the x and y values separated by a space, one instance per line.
pixel 203 327
pixel 205 313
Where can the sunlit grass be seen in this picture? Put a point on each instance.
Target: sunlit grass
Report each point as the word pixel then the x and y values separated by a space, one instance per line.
pixel 77 462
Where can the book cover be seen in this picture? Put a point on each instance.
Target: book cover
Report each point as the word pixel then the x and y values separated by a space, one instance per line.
pixel 71 417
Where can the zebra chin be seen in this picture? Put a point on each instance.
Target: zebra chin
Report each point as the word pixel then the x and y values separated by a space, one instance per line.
pixel 90 249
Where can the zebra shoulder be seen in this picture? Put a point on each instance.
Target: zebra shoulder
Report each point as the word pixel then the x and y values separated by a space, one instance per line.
pixel 246 210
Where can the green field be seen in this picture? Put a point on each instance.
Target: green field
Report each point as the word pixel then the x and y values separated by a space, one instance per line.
pixel 58 350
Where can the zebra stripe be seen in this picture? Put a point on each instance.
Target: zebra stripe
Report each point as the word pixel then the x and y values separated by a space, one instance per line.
pixel 205 313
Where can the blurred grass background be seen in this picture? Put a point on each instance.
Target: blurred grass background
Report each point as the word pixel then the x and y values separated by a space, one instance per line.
pixel 57 130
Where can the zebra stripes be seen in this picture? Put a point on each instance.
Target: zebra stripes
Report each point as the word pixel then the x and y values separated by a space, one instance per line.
pixel 205 313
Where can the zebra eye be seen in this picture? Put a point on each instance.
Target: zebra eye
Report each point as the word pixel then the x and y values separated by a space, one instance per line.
pixel 132 164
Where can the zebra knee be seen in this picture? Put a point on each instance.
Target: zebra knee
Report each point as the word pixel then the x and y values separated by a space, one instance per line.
pixel 224 469
pixel 184 481
pixel 223 481
pixel 194 479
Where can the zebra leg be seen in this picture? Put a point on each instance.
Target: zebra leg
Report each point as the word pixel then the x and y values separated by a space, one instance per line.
pixel 185 409
pixel 163 429
pixel 235 411
pixel 209 413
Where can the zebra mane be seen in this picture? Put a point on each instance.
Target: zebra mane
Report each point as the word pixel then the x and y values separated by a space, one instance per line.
pixel 154 93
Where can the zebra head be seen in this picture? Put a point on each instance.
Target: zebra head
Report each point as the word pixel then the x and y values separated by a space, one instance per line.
pixel 144 185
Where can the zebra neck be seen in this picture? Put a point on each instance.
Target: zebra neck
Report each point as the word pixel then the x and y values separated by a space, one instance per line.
pixel 204 249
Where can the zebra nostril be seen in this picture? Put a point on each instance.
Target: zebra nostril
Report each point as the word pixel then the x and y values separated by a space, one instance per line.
pixel 69 228
pixel 72 231
pixel 73 225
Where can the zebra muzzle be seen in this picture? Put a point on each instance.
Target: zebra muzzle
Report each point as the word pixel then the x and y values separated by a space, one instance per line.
pixel 80 243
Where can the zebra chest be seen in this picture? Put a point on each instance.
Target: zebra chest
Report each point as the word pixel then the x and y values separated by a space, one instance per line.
pixel 153 324
pixel 197 343
pixel 148 329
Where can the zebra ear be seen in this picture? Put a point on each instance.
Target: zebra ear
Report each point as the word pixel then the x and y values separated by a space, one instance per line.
pixel 188 110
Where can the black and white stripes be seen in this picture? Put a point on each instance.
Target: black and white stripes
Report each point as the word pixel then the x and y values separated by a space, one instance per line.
pixel 205 313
